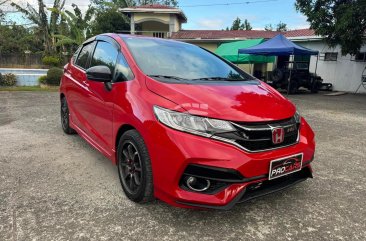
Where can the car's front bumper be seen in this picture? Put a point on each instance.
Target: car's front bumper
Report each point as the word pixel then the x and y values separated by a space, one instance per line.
pixel 172 151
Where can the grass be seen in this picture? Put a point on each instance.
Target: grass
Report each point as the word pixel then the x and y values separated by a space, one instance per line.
pixel 29 88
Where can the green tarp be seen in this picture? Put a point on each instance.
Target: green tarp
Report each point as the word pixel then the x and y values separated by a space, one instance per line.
pixel 229 51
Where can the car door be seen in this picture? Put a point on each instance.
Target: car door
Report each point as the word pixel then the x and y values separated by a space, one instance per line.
pixel 98 111
pixel 77 89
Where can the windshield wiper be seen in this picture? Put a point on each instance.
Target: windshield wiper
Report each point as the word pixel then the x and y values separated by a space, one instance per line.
pixel 221 78
pixel 167 77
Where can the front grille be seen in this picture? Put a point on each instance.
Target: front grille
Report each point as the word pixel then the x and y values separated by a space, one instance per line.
pixel 256 137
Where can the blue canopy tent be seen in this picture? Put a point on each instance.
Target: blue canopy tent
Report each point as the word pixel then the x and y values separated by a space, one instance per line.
pixel 279 46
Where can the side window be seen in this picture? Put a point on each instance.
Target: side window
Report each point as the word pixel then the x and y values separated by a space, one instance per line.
pixel 75 55
pixel 123 70
pixel 105 54
pixel 82 60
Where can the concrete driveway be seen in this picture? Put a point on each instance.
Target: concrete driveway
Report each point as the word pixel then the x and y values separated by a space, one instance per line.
pixel 56 187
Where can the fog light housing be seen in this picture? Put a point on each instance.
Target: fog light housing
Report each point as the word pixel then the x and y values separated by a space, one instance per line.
pixel 197 184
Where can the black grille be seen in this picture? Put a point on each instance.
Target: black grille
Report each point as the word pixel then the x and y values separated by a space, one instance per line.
pixel 258 136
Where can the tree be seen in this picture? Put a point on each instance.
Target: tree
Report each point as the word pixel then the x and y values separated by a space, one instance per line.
pixel 17 39
pixel 77 26
pixel 339 22
pixel 48 27
pixel 2 14
pixel 268 27
pixel 281 27
pixel 109 21
pixel 108 18
pixel 246 25
pixel 238 25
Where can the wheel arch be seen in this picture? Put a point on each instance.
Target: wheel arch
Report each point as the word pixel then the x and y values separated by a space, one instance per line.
pixel 122 129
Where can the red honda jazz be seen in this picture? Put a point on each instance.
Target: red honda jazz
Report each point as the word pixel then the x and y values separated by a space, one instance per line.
pixel 182 124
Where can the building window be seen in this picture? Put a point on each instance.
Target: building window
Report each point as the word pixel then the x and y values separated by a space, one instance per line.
pixel 361 56
pixel 330 56
pixel 158 34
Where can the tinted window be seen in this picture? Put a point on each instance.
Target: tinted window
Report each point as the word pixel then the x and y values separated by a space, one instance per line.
pixel 75 55
pixel 82 60
pixel 123 71
pixel 105 54
pixel 170 58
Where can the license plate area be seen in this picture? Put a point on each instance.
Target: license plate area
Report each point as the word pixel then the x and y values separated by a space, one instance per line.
pixel 284 166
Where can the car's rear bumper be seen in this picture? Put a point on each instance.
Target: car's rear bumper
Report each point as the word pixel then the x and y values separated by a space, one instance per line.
pixel 172 152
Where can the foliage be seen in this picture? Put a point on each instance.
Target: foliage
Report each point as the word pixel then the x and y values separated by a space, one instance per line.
pixel 109 21
pixel 17 39
pixel 51 60
pixel 2 14
pixel 339 22
pixel 8 79
pixel 47 27
pixel 42 80
pixel 281 27
pixel 54 76
pixel 78 26
pixel 268 27
pixel 238 25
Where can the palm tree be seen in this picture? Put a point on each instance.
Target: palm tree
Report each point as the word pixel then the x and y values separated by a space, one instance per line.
pixel 78 25
pixel 47 27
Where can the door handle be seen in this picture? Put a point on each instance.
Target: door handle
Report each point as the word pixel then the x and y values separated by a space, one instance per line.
pixel 86 83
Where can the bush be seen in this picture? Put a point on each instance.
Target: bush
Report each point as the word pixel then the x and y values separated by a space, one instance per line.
pixel 51 60
pixel 42 80
pixel 54 76
pixel 8 79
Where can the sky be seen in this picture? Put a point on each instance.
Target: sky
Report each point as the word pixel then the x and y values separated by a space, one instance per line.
pixel 258 12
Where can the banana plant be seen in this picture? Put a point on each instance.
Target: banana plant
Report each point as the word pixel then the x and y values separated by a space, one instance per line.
pixel 48 26
pixel 78 26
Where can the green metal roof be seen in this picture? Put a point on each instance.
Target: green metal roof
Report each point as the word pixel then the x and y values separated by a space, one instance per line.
pixel 229 51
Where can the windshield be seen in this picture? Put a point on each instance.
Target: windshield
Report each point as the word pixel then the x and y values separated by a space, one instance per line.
pixel 180 61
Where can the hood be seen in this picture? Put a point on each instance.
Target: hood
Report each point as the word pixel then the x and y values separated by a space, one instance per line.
pixel 248 102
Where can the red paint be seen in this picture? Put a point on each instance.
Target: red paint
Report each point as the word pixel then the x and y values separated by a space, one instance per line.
pixel 97 115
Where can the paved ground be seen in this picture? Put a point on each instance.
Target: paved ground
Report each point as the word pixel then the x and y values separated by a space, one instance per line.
pixel 56 187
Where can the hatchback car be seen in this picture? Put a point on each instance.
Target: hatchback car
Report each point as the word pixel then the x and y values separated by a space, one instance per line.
pixel 182 124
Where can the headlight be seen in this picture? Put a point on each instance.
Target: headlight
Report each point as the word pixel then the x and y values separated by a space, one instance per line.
pixel 192 124
pixel 297 117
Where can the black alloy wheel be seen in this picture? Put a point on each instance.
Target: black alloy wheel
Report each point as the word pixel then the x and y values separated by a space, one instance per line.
pixel 134 167
pixel 130 168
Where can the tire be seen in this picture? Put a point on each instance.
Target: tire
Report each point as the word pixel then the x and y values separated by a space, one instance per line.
pixel 314 85
pixel 134 168
pixel 293 87
pixel 65 118
pixel 277 75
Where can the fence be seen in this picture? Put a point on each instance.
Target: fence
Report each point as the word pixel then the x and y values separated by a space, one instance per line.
pixel 24 61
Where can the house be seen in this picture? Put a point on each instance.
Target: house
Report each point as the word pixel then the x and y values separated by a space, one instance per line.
pixel 344 72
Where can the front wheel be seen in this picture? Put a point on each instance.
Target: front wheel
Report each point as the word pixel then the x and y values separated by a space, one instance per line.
pixel 134 167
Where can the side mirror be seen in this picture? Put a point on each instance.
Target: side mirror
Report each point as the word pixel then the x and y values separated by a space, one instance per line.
pixel 100 73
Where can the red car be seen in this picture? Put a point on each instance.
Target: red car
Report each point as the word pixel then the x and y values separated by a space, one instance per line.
pixel 182 124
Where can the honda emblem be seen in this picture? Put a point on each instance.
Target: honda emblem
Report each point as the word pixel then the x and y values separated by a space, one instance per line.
pixel 278 135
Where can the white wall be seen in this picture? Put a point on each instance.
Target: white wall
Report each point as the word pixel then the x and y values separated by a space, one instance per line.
pixel 344 74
